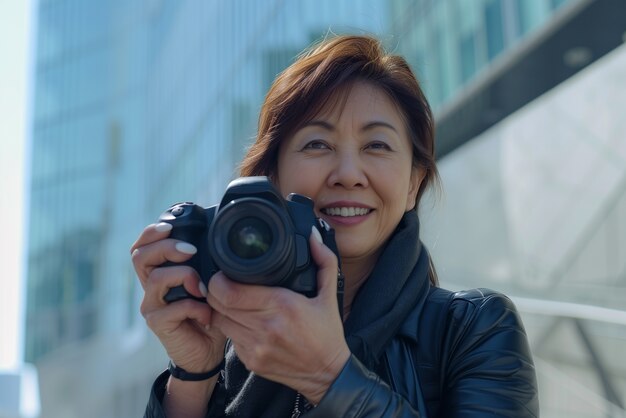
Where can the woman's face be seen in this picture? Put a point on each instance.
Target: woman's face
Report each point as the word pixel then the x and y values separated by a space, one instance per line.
pixel 355 161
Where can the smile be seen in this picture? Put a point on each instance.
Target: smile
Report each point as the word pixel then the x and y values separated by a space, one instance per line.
pixel 346 211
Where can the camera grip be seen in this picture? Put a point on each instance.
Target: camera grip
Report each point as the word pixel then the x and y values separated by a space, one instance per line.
pixel 178 293
pixel 188 221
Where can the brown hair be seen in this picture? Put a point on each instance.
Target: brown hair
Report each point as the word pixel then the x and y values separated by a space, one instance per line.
pixel 304 88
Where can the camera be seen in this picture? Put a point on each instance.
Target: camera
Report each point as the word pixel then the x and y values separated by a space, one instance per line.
pixel 253 235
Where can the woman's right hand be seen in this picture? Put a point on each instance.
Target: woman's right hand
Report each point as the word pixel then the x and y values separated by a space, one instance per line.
pixel 183 327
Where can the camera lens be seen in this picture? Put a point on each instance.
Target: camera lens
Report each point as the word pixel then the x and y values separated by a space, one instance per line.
pixel 252 241
pixel 249 238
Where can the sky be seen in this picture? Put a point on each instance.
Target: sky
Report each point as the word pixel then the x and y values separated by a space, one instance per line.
pixel 15 34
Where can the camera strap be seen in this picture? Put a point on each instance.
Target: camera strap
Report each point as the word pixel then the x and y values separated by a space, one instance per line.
pixel 328 236
pixel 340 285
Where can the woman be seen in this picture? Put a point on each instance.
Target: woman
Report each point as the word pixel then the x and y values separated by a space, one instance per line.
pixel 348 126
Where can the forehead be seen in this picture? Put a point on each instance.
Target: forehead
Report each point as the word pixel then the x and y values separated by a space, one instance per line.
pixel 360 96
pixel 361 103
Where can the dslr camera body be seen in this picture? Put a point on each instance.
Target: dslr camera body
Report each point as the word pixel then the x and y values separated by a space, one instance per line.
pixel 254 236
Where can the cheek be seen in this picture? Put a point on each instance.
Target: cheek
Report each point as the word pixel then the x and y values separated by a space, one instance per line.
pixel 297 178
pixel 395 189
pixel 285 177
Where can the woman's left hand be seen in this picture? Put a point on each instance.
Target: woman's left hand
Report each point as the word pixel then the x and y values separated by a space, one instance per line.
pixel 284 336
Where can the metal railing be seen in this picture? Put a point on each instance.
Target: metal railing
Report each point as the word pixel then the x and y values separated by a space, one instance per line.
pixel 609 403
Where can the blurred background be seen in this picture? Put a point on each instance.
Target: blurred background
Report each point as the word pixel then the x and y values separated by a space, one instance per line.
pixel 113 110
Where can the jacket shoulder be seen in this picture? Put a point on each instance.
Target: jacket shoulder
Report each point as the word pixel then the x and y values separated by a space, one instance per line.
pixel 482 296
pixel 483 311
pixel 464 306
pixel 473 342
pixel 487 356
pixel 476 296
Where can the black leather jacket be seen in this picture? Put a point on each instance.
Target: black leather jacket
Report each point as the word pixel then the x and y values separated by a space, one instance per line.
pixel 464 355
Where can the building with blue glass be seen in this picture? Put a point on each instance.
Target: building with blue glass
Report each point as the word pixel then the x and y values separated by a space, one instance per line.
pixel 142 104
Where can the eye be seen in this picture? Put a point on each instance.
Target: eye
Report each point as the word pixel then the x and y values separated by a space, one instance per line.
pixel 378 145
pixel 316 144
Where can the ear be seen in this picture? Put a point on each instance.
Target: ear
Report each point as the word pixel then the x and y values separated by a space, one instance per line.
pixel 417 176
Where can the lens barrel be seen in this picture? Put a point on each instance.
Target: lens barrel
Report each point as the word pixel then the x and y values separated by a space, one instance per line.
pixel 251 240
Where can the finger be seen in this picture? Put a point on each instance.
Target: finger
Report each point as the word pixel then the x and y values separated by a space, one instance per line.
pixel 228 296
pixel 152 233
pixel 150 256
pixel 161 280
pixel 168 318
pixel 234 330
pixel 257 346
pixel 326 262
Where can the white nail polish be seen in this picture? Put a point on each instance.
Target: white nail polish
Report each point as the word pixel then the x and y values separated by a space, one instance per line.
pixel 186 248
pixel 316 234
pixel 163 227
pixel 203 289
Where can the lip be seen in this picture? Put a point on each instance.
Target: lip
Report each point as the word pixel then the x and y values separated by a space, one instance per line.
pixel 335 220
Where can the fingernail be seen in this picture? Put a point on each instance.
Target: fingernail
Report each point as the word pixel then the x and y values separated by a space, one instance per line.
pixel 316 234
pixel 163 227
pixel 203 289
pixel 186 248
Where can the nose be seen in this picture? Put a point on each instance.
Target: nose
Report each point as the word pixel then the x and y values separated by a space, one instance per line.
pixel 348 171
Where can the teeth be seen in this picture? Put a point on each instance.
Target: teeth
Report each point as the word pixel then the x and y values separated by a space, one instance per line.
pixel 344 211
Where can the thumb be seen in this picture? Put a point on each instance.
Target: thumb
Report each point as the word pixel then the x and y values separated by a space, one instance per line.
pixel 327 268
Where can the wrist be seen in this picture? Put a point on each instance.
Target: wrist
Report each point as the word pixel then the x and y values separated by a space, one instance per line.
pixel 188 398
pixel 182 374
pixel 324 380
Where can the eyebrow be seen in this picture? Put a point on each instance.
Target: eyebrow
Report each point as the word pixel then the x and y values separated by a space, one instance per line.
pixel 379 124
pixel 367 127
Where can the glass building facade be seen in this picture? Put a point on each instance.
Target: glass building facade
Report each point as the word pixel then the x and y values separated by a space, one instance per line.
pixel 451 42
pixel 88 122
pixel 142 104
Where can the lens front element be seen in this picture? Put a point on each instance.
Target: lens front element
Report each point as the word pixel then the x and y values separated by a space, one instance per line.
pixel 249 238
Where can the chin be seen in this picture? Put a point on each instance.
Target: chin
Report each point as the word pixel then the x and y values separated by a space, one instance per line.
pixel 351 248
